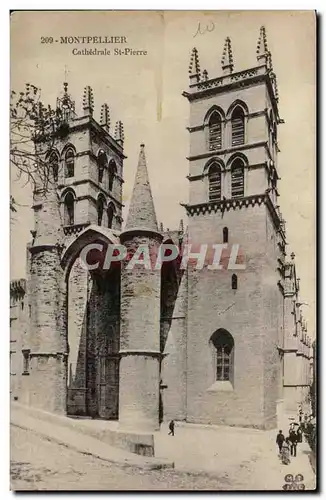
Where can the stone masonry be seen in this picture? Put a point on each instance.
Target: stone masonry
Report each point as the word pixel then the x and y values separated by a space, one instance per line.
pixel 224 346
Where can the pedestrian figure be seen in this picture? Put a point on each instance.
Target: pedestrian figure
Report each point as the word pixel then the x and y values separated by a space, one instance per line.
pixel 299 435
pixel 285 452
pixel 293 442
pixel 280 440
pixel 171 427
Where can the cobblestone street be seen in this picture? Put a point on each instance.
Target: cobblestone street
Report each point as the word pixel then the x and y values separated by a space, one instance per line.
pixel 39 464
pixel 243 460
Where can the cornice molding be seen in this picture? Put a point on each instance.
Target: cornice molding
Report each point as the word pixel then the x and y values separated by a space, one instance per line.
pixel 234 149
pixel 107 194
pixel 226 169
pixel 233 203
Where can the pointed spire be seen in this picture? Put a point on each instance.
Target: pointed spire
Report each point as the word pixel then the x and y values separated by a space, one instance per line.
pixel 181 227
pixel 161 227
pixel 119 133
pixel 262 48
pixel 141 210
pixel 105 116
pixel 227 57
pixel 194 67
pixel 88 101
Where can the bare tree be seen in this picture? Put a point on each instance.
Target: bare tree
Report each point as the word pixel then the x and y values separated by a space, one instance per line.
pixel 33 130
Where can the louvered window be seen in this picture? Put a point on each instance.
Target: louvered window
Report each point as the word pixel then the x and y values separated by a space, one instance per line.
pixel 100 209
pixel 214 178
pixel 112 173
pixel 111 212
pixel 54 165
pixel 238 127
pixel 102 163
pixel 69 209
pixel 237 179
pixel 215 132
pixel 69 163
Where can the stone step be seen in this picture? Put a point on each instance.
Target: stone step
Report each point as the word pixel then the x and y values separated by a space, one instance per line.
pixel 84 438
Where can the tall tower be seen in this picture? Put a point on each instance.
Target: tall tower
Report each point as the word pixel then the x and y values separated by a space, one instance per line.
pixel 90 160
pixel 140 312
pixel 80 183
pixel 235 315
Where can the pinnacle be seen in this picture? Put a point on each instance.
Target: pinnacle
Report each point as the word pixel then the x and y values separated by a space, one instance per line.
pixel 194 67
pixel 262 48
pixel 227 56
pixel 141 211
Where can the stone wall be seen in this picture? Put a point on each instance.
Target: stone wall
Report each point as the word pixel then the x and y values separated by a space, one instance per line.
pixel 213 304
pixel 174 332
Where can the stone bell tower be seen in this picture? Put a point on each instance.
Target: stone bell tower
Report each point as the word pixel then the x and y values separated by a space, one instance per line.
pixel 84 186
pixel 234 366
pixel 90 166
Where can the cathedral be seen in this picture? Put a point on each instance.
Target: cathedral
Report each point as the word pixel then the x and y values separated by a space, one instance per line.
pixel 142 346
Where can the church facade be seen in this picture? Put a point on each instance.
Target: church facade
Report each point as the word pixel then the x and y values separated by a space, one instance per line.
pixel 226 346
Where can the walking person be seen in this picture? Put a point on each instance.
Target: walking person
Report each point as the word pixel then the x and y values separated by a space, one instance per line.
pixel 299 435
pixel 280 438
pixel 171 427
pixel 285 452
pixel 293 442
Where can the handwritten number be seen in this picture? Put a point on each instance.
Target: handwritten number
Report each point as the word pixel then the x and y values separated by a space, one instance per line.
pixel 208 29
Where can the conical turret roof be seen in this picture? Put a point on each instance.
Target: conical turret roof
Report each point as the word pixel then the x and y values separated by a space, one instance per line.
pixel 141 211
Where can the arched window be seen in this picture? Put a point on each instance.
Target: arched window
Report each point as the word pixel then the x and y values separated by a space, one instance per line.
pixel 112 173
pixel 214 180
pixel 224 350
pixel 101 163
pixel 225 235
pixel 100 209
pixel 234 282
pixel 54 165
pixel 69 163
pixel 237 178
pixel 111 212
pixel 69 209
pixel 238 126
pixel 215 131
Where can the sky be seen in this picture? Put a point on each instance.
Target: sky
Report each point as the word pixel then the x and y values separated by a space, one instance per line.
pixel 145 92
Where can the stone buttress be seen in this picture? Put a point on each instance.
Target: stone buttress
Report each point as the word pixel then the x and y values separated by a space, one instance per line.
pixel 140 313
pixel 48 343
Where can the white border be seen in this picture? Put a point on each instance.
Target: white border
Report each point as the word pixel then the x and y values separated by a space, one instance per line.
pixel 4 178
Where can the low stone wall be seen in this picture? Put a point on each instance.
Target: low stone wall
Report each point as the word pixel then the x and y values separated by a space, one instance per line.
pixel 139 443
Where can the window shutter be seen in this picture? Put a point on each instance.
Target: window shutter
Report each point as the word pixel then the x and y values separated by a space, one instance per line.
pixel 237 181
pixel 238 128
pixel 214 184
pixel 215 132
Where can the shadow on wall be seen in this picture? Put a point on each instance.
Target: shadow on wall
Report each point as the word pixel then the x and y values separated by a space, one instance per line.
pixel 93 380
